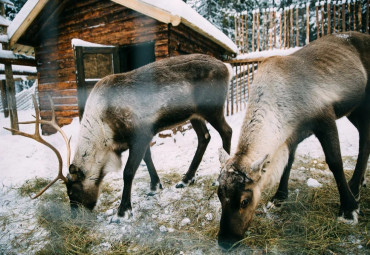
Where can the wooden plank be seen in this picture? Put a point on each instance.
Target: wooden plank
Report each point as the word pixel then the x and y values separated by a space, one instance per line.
pixel 20 61
pixel 251 60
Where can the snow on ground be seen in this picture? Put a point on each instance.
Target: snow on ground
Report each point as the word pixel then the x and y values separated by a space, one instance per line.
pixel 23 159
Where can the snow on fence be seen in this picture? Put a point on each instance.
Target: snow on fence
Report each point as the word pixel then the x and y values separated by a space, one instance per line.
pixel 297 25
pixel 239 86
pixel 24 99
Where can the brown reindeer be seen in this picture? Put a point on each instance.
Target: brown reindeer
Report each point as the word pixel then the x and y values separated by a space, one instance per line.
pixel 124 111
pixel 291 98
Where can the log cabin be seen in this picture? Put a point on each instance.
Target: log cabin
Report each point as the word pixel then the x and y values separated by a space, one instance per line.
pixel 78 42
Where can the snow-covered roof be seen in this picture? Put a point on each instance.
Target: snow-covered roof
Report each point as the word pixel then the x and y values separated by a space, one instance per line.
pixel 7 2
pixel 78 42
pixel 4 21
pixel 167 11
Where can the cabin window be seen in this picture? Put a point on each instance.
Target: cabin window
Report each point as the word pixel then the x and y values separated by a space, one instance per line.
pixel 97 65
pixel 133 56
pixel 92 64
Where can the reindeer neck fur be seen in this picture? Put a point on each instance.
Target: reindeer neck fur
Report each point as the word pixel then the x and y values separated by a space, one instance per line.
pixel 95 153
pixel 265 134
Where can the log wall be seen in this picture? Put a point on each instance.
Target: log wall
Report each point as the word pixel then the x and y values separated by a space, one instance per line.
pixel 102 22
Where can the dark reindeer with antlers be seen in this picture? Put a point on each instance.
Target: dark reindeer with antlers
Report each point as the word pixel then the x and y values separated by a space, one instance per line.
pixel 291 98
pixel 124 111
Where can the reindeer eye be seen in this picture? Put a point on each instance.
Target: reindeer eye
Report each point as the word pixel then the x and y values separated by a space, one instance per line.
pixel 244 203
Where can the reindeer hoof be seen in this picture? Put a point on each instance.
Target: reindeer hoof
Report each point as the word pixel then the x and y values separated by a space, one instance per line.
pixel 270 205
pixel 182 184
pixel 349 218
pixel 155 187
pixel 155 190
pixel 127 215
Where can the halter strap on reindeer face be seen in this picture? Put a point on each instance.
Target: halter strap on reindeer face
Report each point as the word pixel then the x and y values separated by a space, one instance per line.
pixel 37 137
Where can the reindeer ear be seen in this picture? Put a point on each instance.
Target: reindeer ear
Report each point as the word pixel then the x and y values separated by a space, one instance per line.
pixel 75 174
pixel 258 165
pixel 223 156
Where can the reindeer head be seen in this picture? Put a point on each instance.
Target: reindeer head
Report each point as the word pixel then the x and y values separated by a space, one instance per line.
pixel 239 193
pixel 74 181
pixel 78 193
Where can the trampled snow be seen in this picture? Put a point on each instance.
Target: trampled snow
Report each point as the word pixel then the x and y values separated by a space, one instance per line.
pixel 23 159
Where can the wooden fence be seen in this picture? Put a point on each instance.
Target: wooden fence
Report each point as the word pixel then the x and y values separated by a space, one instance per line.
pixel 297 25
pixel 271 29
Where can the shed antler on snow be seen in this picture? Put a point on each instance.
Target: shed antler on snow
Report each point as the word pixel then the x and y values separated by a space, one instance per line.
pixel 37 137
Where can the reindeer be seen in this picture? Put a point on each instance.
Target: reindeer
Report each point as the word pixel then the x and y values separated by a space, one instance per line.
pixel 291 98
pixel 124 112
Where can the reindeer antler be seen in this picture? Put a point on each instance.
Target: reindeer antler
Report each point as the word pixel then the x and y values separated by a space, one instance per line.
pixel 36 136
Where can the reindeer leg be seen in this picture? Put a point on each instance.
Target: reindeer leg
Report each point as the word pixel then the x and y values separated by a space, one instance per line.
pixel 223 129
pixel 136 153
pixel 154 179
pixel 203 140
pixel 282 191
pixel 361 121
pixel 327 133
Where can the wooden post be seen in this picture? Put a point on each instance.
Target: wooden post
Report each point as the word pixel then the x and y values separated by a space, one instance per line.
pixel 349 15
pixel 10 91
pixel 339 12
pixel 246 31
pixel 281 29
pixel 322 19
pixel 307 23
pixel 297 26
pixel 4 99
pixel 253 26
pixel 291 36
pixel 240 35
pixel 317 21
pixel 243 31
pixel 354 15
pixel 285 30
pixel 271 27
pixel 359 16
pixel 329 17
pixel 343 16
pixel 258 29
